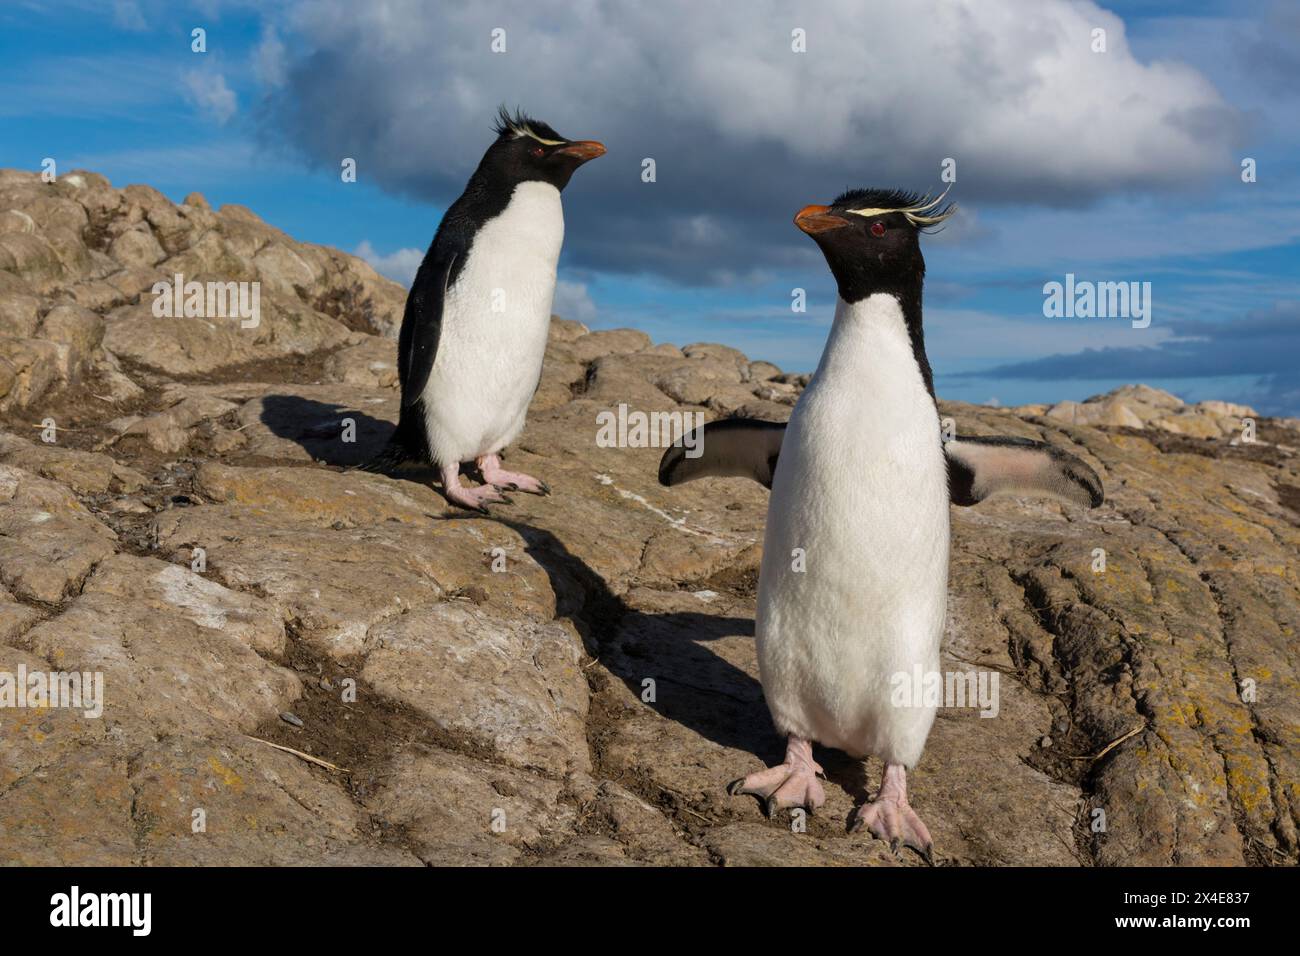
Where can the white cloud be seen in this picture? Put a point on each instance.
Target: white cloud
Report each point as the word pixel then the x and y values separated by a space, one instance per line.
pixel 117 87
pixel 400 266
pixel 208 91
pixel 958 339
pixel 187 164
pixel 1120 233
pixel 698 229
pixel 743 130
pixel 573 301
pixel 269 62
pixel 988 82
pixel 127 16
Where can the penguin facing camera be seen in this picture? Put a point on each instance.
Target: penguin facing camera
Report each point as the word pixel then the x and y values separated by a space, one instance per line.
pixel 861 483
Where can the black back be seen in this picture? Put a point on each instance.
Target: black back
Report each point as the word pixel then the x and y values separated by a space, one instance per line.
pixel 513 158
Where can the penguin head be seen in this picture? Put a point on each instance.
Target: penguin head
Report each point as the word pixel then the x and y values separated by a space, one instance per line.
pixel 871 238
pixel 529 150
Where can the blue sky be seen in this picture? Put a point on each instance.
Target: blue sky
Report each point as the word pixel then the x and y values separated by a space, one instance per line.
pixel 1121 165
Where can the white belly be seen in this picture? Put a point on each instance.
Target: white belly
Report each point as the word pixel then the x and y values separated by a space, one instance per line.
pixel 861 487
pixel 495 320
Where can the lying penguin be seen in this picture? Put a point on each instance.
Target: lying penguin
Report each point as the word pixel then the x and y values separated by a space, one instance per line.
pixel 861 481
pixel 470 350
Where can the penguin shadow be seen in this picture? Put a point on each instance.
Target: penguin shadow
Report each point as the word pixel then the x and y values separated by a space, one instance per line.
pixel 343 437
pixel 332 434
pixel 688 683
pixel 694 686
pixel 849 773
pixel 662 658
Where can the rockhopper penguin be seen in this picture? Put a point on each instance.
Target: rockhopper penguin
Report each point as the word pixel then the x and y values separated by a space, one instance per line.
pixel 477 316
pixel 861 482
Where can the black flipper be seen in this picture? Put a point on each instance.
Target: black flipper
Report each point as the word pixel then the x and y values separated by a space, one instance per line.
pixel 417 348
pixel 729 448
pixel 417 345
pixel 980 467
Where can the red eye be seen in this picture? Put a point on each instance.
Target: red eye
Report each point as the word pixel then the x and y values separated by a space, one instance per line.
pixel 537 151
pixel 877 228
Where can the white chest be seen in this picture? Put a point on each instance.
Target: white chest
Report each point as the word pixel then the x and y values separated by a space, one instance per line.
pixel 853 585
pixel 509 271
pixel 495 320
pixel 863 456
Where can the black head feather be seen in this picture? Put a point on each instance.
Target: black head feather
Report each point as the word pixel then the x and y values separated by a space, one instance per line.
pixel 508 126
pixel 877 199
pixel 896 199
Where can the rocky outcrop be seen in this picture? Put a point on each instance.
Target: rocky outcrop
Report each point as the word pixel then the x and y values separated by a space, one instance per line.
pixel 1140 406
pixel 79 260
pixel 307 664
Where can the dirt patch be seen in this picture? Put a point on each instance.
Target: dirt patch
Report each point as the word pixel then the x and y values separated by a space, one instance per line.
pixel 1289 497
pixel 739 582
pixel 1263 451
pixel 360 735
pixel 80 412
pixel 350 305
pixel 308 369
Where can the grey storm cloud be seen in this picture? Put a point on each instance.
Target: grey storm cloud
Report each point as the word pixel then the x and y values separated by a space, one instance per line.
pixel 1264 343
pixel 743 130
pixel 1273 53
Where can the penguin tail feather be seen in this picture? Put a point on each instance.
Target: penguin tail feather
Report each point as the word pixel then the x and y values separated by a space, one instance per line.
pixel 406 445
pixel 390 459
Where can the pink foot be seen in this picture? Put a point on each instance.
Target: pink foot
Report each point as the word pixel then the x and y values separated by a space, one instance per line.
pixel 493 474
pixel 790 784
pixel 475 499
pixel 890 817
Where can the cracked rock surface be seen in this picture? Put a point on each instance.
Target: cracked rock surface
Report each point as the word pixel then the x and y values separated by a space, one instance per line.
pixel 571 680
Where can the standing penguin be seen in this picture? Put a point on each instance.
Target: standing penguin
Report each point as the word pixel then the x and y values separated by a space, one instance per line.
pixel 861 483
pixel 477 317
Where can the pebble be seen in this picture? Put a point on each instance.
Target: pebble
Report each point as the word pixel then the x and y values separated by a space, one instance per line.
pixel 289 718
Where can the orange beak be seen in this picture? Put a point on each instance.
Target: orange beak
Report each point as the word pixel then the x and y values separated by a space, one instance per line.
pixel 583 149
pixel 814 219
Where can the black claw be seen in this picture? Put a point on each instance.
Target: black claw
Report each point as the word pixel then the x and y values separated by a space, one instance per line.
pixel 893 846
pixel 506 501
pixel 856 825
pixel 736 787
pixel 546 489
pixel 770 807
pixel 928 853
